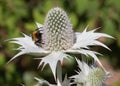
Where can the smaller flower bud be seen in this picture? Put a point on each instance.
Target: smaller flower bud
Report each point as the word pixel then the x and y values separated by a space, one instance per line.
pixel 96 77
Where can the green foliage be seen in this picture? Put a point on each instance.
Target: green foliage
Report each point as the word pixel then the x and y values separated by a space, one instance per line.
pixel 18 16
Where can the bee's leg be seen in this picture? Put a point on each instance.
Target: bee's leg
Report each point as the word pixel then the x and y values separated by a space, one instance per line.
pixel 38 43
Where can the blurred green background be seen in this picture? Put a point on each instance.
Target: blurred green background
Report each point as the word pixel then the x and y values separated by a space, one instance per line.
pixel 18 16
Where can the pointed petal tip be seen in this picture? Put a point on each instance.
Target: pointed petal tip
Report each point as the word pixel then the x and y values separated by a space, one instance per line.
pixel 23 34
pixel 10 60
pixel 39 66
pixel 108 36
pixel 86 28
pixel 97 28
pixel 112 37
pixel 7 40
pixel 36 78
pixel 39 25
pixel 17 55
pixel 109 49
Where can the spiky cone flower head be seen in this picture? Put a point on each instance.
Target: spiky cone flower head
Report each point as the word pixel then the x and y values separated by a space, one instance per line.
pixel 58 34
pixel 89 75
pixel 57 39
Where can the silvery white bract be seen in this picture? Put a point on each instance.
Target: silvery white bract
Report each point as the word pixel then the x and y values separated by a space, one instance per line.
pixel 59 40
pixel 89 76
pixel 41 82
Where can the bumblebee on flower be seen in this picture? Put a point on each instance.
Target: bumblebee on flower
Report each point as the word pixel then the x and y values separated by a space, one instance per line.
pixel 55 39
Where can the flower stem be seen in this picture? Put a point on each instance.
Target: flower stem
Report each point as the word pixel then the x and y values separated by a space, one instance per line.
pixel 59 72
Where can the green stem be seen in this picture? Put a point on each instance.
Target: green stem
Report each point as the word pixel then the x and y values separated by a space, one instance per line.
pixel 59 71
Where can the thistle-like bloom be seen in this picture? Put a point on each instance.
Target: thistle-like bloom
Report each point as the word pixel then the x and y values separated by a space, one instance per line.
pixel 89 76
pixel 57 40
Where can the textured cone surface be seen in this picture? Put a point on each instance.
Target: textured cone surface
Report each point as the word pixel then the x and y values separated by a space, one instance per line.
pixel 58 33
pixel 96 77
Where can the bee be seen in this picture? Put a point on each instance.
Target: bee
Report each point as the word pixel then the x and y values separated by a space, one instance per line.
pixel 37 36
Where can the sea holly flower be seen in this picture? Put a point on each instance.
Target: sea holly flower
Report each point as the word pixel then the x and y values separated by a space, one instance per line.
pixel 89 75
pixel 55 40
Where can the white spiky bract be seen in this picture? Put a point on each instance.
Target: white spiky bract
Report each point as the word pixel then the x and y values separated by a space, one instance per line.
pixel 52 59
pixel 66 82
pixel 27 46
pixel 86 39
pixel 59 40
pixel 89 76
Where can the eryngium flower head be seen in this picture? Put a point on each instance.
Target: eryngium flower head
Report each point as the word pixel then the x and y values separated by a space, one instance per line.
pixel 58 34
pixel 89 76
pixel 57 39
